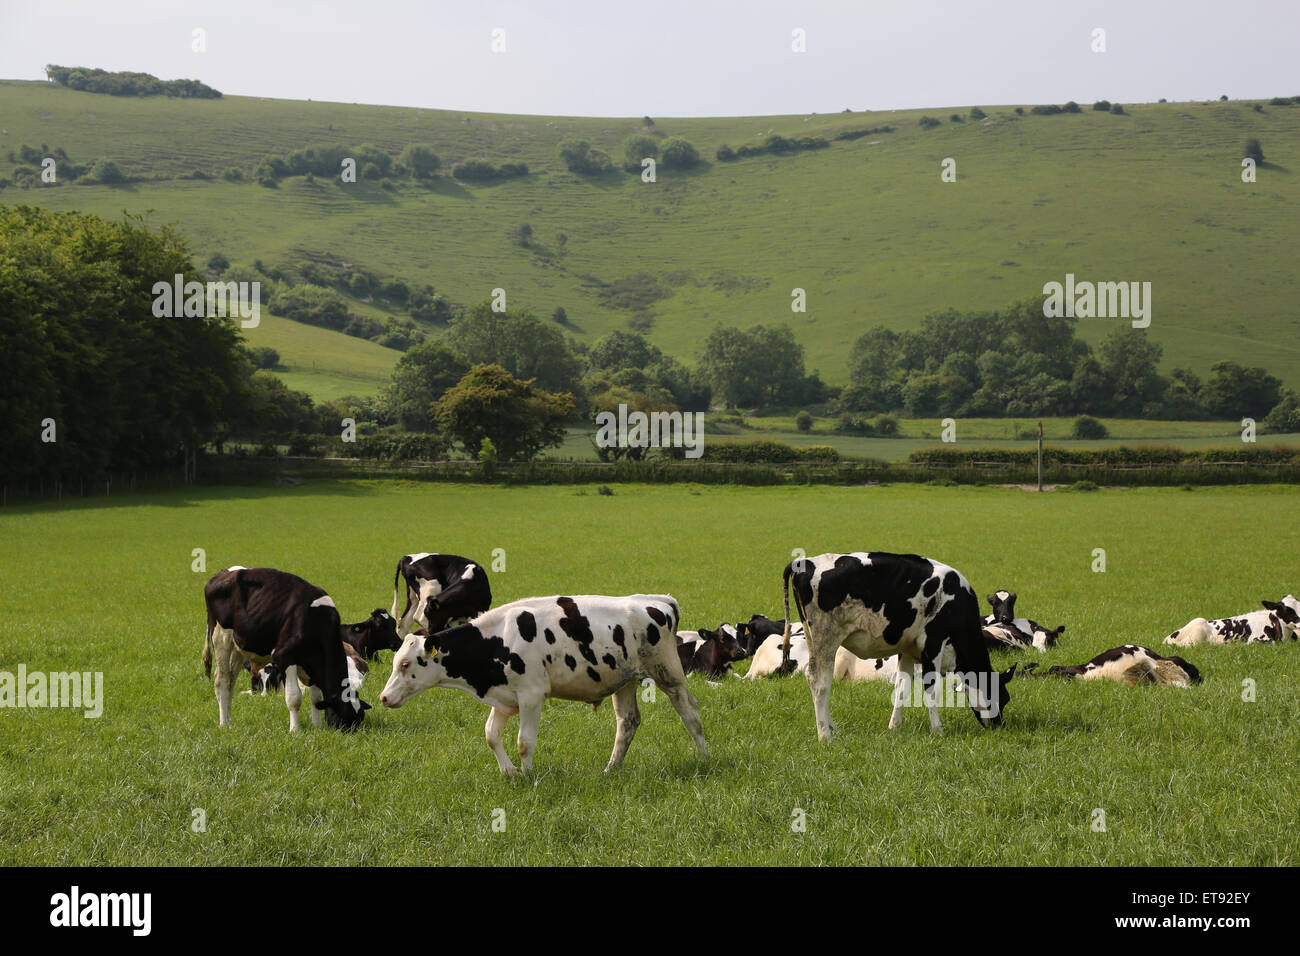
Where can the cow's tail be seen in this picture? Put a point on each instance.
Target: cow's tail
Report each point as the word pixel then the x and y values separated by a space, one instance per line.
pixel 397 576
pixel 785 638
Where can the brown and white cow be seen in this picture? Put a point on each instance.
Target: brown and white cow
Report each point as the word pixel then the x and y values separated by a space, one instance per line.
pixel 586 648
pixel 1131 664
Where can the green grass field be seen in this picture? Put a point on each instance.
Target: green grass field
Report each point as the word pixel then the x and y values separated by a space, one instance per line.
pixel 866 227
pixel 1196 776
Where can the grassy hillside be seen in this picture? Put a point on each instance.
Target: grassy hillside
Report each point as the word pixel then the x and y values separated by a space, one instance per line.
pixel 866 226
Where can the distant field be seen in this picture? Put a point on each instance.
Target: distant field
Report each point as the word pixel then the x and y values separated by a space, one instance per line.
pixel 866 227
pixel 971 433
pixel 1196 776
pixel 323 363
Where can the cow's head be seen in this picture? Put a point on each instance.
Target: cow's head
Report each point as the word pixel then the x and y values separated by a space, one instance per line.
pixel 416 667
pixel 1287 612
pixel 345 711
pixel 1004 606
pixel 725 645
pixel 1043 638
pixel 987 694
pixel 267 677
pixel 375 634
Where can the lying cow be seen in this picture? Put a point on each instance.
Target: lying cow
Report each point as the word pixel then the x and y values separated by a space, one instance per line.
pixel 1010 631
pixel 878 604
pixel 848 666
pixel 1130 664
pixel 266 616
pixel 441 589
pixel 575 648
pixel 759 628
pixel 1277 622
pixel 710 653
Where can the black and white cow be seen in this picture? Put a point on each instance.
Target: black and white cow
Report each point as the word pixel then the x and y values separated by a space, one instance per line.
pixel 849 668
pixel 271 616
pixel 575 648
pixel 710 653
pixel 1130 664
pixel 757 630
pixel 1276 623
pixel 878 604
pixel 1012 629
pixel 441 589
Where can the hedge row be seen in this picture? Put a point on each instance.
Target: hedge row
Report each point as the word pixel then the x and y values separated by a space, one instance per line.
pixel 1121 455
pixel 765 451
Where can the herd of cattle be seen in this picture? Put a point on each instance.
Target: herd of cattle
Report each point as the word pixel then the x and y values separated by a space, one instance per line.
pixel 861 616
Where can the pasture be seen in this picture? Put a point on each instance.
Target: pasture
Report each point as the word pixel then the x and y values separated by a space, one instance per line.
pixel 1195 776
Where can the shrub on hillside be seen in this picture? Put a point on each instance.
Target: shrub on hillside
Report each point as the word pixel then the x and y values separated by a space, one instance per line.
pixel 1102 106
pixel 804 421
pixel 928 122
pixel 977 114
pixel 678 153
pixel 581 157
pixel 1254 150
pixel 1087 427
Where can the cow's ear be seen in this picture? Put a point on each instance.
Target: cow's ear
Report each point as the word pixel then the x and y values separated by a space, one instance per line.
pixel 429 647
pixel 1271 605
pixel 989 598
pixel 1006 675
pixel 364 705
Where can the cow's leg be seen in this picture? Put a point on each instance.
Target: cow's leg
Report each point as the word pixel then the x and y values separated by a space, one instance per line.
pixel 530 717
pixel 496 723
pixel 292 696
pixel 932 683
pixel 315 696
pixel 902 689
pixel 412 606
pixel 223 678
pixel 629 718
pixel 821 670
pixel 688 710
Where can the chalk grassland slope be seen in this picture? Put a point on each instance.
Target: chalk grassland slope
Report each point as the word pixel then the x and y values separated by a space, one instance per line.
pixel 866 226
pixel 1196 776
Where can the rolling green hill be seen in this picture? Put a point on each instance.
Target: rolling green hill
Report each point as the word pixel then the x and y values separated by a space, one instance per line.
pixel 865 226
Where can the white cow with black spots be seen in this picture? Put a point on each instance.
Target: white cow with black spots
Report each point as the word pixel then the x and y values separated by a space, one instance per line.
pixel 1278 622
pixel 575 648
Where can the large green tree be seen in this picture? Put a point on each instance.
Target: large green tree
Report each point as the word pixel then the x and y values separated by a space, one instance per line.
pixel 517 416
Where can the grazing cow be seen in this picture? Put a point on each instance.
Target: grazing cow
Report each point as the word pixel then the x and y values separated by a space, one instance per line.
pixel 1277 622
pixel 441 589
pixel 263 677
pixel 1004 604
pixel 848 666
pixel 878 604
pixel 1130 664
pixel 710 653
pixel 269 616
pixel 368 638
pixel 575 648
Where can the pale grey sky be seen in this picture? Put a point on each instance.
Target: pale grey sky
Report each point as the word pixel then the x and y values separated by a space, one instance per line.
pixel 675 57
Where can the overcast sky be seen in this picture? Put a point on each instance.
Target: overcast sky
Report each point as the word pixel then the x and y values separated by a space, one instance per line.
pixel 675 57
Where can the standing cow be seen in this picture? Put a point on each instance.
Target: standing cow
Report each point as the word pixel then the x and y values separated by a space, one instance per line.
pixel 576 648
pixel 441 589
pixel 878 604
pixel 270 616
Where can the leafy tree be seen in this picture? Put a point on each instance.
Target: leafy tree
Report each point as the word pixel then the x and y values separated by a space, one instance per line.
pixel 518 417
pixel 420 160
pixel 1129 360
pixel 639 147
pixel 580 157
pixel 678 153
pixel 520 343
pixel 1087 427
pixel 1235 391
pixel 420 378
pixel 1254 151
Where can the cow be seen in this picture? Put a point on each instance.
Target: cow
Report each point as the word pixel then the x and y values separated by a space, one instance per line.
pixel 878 604
pixel 270 616
pixel 1004 604
pixel 848 666
pixel 441 589
pixel 710 653
pixel 1131 664
pixel 1276 623
pixel 759 628
pixel 586 648
pixel 369 637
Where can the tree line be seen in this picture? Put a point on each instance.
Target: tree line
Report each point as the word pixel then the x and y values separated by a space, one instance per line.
pixel 94 80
